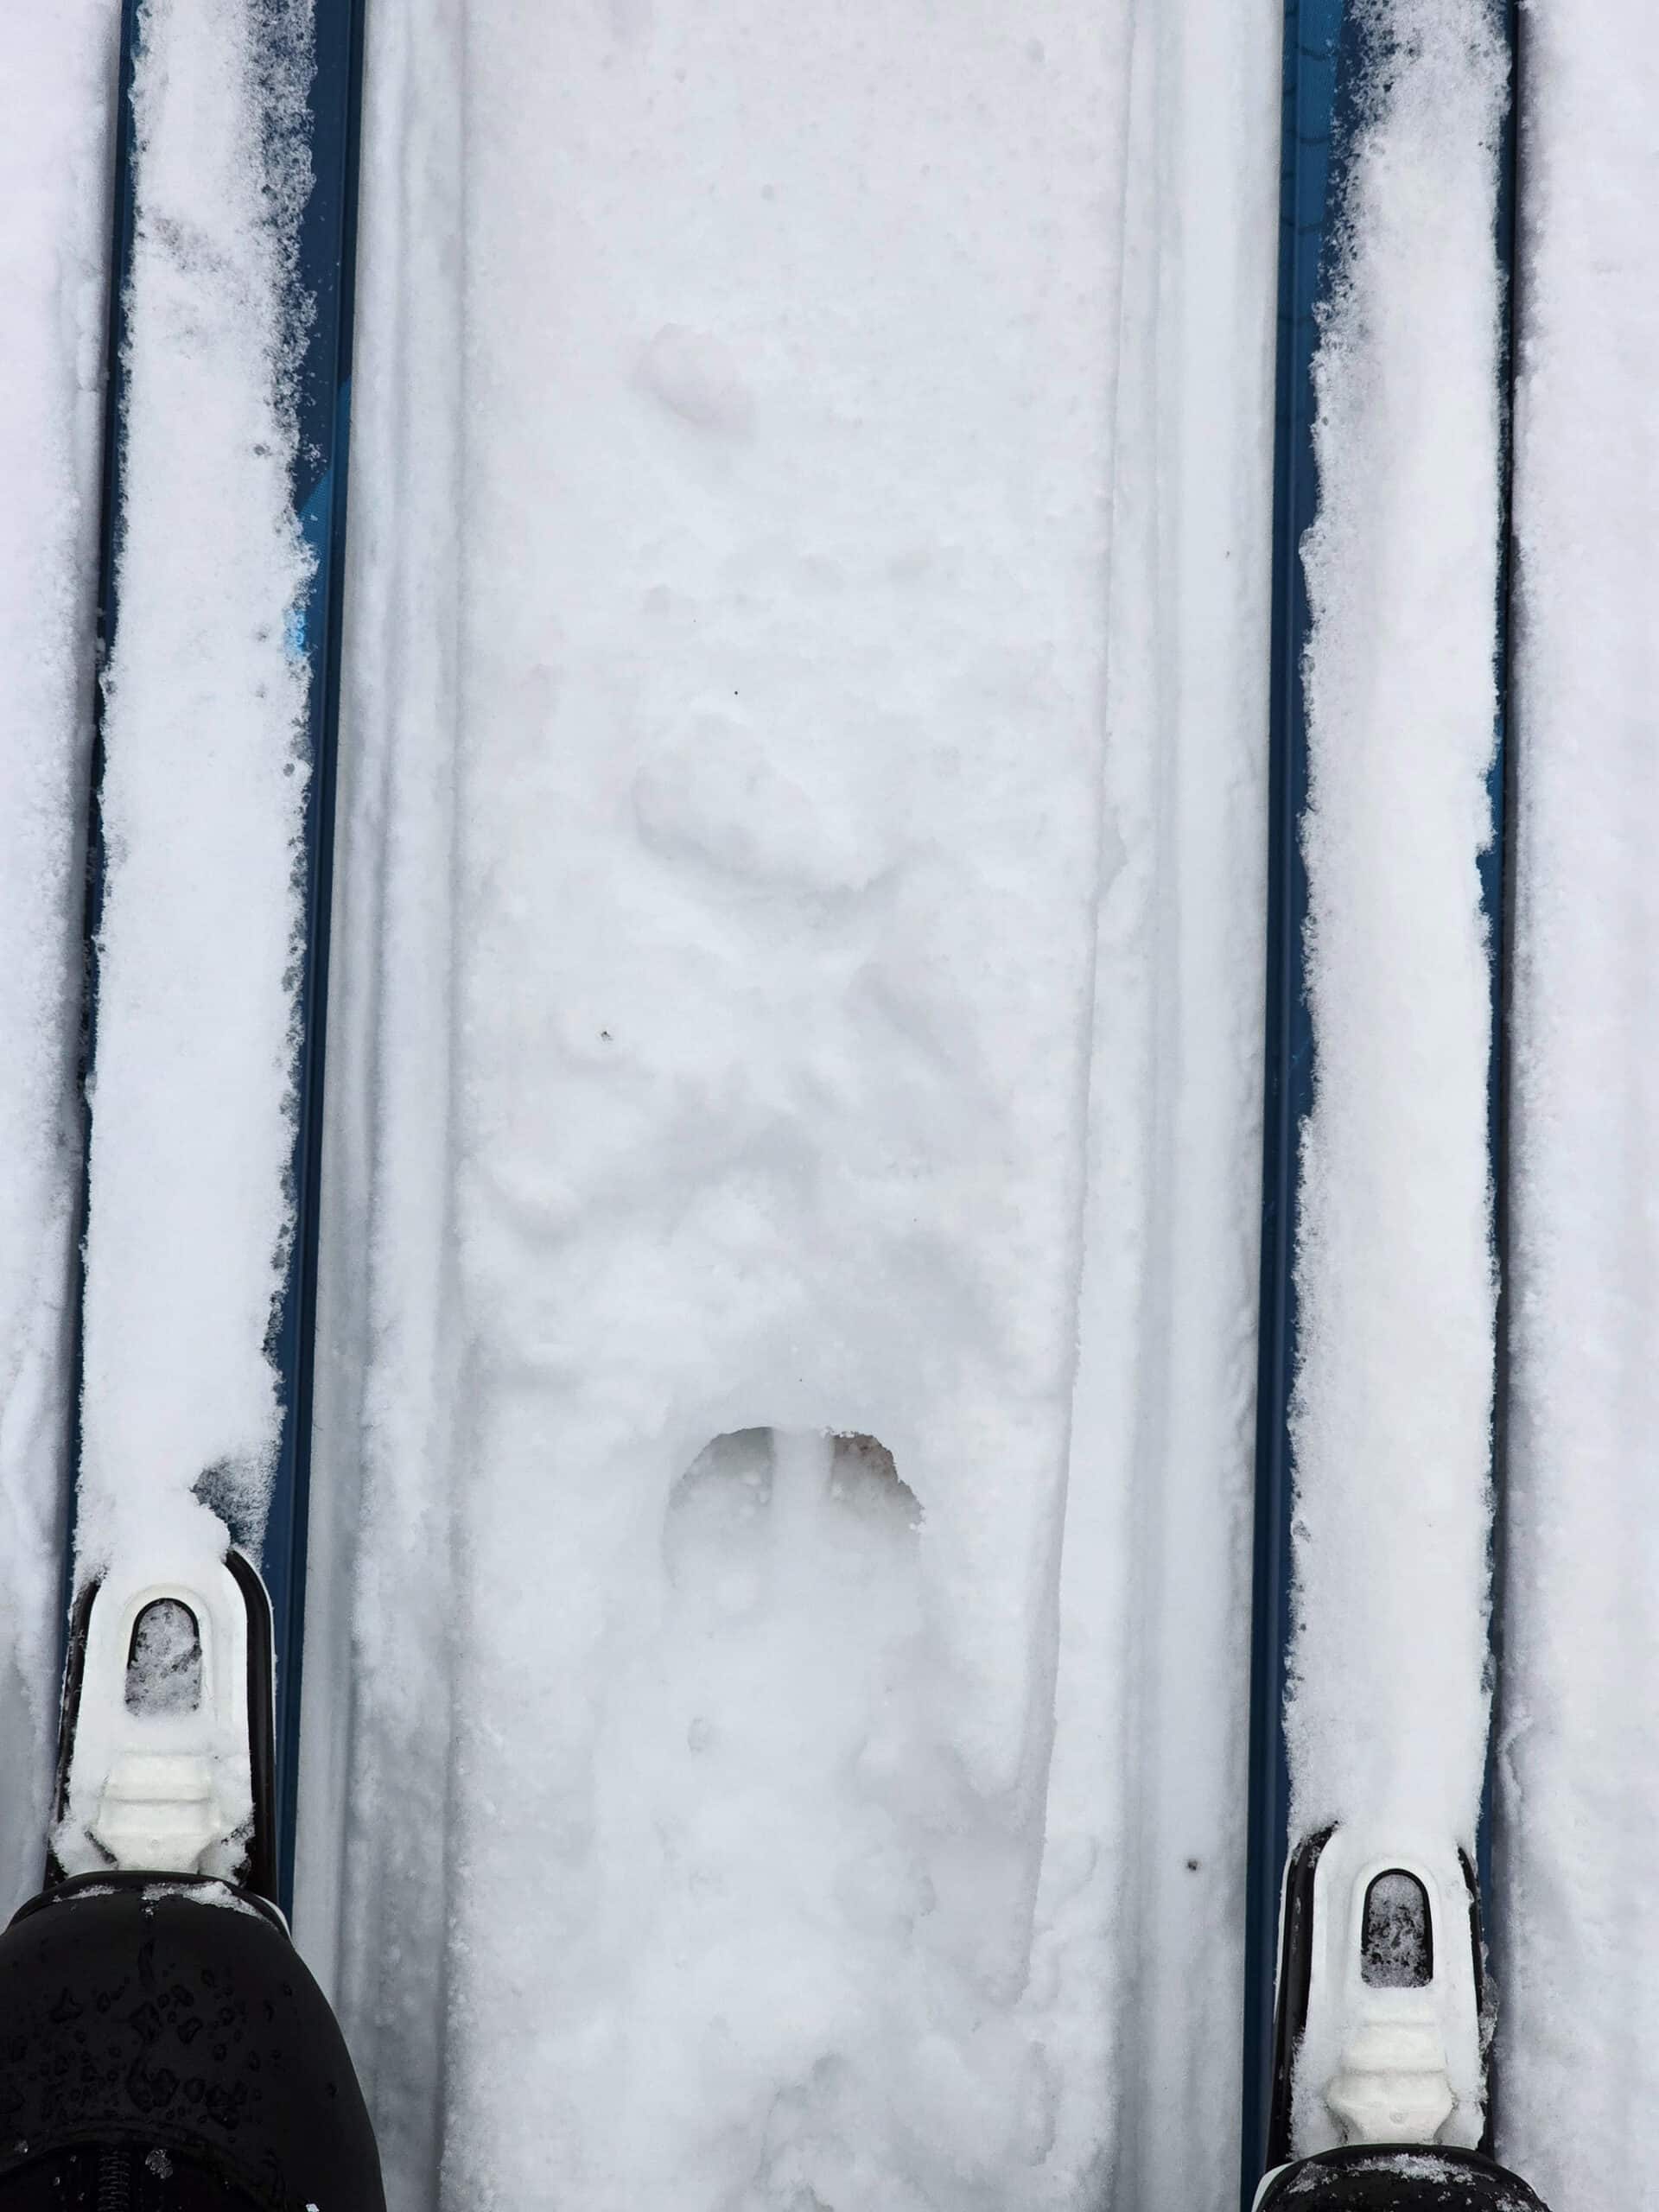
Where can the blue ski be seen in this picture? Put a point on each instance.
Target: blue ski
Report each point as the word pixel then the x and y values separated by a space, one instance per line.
pixel 1325 50
pixel 327 40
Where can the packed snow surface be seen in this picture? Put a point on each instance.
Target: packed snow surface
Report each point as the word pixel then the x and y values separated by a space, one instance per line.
pixel 790 1263
pixel 1578 1765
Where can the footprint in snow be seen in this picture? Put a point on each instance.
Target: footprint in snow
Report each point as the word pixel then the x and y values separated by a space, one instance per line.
pixel 810 822
pixel 695 377
pixel 796 1614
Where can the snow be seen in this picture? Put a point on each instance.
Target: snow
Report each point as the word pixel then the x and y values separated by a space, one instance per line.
pixel 769 1074
pixel 204 784
pixel 378 1638
pixel 763 753
pixel 776 1674
pixel 164 1670
pixel 52 163
pixel 217 1895
pixel 1137 1951
pixel 1578 1767
pixel 1391 1418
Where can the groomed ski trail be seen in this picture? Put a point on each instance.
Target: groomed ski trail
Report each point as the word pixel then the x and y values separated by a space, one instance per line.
pixel 826 1169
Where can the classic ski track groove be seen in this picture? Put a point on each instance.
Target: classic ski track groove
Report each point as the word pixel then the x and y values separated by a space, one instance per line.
pixel 410 1905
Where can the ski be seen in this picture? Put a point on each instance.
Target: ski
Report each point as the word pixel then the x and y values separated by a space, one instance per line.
pixel 312 52
pixel 1327 48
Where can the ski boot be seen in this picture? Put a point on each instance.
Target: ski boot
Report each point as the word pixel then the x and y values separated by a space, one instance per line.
pixel 165 2045
pixel 1380 2036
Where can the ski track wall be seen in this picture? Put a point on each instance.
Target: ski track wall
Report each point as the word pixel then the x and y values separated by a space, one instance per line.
pixel 1167 1383
pixel 731 623
pixel 55 153
pixel 1579 1755
pixel 374 1844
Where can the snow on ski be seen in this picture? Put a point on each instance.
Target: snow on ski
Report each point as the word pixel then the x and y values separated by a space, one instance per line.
pixel 1371 1662
pixel 211 832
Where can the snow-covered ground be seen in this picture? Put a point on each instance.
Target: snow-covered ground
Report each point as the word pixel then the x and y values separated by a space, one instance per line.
pixel 776 1672
pixel 1578 1754
pixel 53 243
pixel 809 758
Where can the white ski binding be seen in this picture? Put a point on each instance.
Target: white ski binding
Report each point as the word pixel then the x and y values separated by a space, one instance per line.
pixel 1391 2048
pixel 165 1754
pixel 1380 2034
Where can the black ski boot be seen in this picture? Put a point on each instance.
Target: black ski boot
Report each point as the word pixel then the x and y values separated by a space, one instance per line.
pixel 162 2047
pixel 1397 2177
